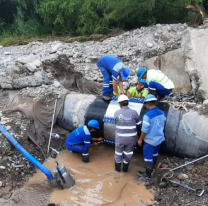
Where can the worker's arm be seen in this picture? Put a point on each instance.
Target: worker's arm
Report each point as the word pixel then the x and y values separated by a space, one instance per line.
pixel 128 95
pixel 145 129
pixel 94 139
pixel 115 87
pixel 120 84
pixel 142 135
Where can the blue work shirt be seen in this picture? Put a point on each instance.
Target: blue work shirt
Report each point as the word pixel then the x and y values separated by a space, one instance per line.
pixel 78 136
pixel 112 64
pixel 153 125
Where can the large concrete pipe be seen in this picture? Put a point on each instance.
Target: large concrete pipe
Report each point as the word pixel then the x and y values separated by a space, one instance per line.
pixel 183 139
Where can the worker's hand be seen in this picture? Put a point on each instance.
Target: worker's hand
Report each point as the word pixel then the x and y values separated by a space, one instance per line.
pixel 100 139
pixel 95 143
pixel 139 142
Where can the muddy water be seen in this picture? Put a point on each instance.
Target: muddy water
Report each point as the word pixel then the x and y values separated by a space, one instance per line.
pixel 97 183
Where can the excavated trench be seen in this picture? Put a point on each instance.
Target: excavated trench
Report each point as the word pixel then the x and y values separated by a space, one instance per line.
pixel 96 183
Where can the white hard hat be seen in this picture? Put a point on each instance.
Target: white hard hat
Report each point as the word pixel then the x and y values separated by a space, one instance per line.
pixel 122 98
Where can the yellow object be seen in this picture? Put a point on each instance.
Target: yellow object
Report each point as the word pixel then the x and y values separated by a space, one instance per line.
pixel 133 92
pixel 119 92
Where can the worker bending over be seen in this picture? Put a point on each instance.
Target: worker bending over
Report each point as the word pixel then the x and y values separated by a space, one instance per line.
pixel 114 72
pixel 158 83
pixel 126 121
pixel 80 139
pixel 152 134
pixel 139 91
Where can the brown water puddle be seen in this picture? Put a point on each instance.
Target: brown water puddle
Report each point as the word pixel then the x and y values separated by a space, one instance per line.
pixel 97 183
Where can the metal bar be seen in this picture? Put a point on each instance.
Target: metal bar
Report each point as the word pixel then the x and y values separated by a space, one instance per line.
pixel 198 192
pixel 188 163
pixel 52 126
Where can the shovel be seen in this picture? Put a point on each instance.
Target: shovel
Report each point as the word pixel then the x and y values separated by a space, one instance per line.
pixel 198 192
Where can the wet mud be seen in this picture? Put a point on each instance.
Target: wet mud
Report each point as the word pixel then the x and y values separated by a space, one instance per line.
pixel 97 183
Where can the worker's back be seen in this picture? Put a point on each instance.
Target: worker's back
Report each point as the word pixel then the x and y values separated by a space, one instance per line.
pixel 126 120
pixel 78 136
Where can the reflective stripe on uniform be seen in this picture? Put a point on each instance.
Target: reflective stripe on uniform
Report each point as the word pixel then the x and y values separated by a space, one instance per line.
pixel 85 154
pixel 118 153
pixel 128 153
pixel 146 123
pixel 125 162
pixel 125 127
pixel 148 160
pixel 152 88
pixel 138 123
pixel 127 134
pixel 155 155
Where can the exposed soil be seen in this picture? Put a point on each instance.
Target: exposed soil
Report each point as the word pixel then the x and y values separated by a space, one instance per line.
pixel 15 169
pixel 172 194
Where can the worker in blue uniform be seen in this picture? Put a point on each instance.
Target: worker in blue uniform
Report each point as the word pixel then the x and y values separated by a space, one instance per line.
pixel 152 133
pixel 80 139
pixel 114 72
pixel 158 83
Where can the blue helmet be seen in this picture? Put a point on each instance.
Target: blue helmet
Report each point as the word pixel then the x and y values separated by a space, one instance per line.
pixel 149 98
pixel 94 124
pixel 125 73
pixel 141 72
pixel 144 82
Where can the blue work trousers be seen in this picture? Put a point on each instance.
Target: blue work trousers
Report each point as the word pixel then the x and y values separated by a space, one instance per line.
pixel 157 87
pixel 78 148
pixel 107 80
pixel 149 151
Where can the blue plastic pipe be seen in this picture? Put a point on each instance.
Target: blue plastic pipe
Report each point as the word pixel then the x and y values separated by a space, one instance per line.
pixel 29 157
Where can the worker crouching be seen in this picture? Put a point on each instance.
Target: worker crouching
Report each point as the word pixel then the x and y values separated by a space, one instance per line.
pixel 158 83
pixel 152 134
pixel 80 139
pixel 126 121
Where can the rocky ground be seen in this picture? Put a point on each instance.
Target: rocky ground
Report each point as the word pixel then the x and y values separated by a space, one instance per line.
pixel 15 169
pixel 43 72
pixel 193 175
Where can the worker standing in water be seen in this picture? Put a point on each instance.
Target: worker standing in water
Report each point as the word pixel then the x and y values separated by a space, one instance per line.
pixel 114 72
pixel 152 133
pixel 139 91
pixel 158 83
pixel 80 139
pixel 126 121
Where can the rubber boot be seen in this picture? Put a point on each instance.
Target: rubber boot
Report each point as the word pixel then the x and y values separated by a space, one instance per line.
pixel 85 158
pixel 125 167
pixel 118 167
pixel 154 160
pixel 148 172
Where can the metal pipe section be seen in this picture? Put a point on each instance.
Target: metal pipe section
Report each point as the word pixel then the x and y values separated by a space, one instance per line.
pixel 109 128
pixel 29 157
pixel 181 137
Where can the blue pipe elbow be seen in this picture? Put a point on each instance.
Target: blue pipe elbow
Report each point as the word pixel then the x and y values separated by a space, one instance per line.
pixel 29 157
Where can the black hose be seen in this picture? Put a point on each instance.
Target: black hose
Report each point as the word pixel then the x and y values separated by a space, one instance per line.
pixel 60 174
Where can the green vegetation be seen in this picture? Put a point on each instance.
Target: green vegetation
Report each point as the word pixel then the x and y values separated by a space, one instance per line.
pixel 25 20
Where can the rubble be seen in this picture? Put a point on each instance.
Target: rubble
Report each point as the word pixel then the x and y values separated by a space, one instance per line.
pixel 40 71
